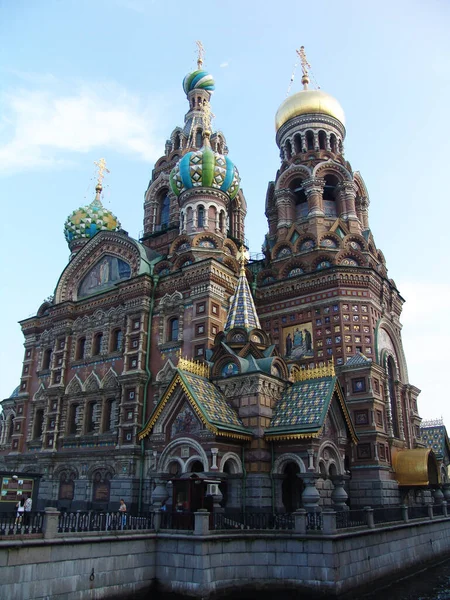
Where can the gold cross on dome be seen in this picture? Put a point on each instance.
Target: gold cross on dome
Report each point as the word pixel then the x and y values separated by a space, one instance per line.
pixel 101 164
pixel 201 54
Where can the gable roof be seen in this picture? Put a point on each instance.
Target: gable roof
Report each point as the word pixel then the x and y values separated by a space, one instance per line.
pixel 436 438
pixel 208 402
pixel 302 410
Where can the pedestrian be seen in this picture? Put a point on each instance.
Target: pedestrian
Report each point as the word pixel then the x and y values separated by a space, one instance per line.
pixel 27 510
pixel 123 511
pixel 20 506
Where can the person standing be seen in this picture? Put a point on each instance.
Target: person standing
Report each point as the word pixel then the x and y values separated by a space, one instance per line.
pixel 123 511
pixel 27 510
pixel 20 506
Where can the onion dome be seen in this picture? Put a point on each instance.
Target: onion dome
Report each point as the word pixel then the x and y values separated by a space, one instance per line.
pixel 199 79
pixel 205 168
pixel 307 102
pixel 86 221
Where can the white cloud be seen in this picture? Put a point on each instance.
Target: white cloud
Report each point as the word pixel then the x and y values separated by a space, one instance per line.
pixel 224 65
pixel 40 128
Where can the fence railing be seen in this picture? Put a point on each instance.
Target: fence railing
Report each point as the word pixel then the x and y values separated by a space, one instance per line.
pixel 29 523
pixel 92 521
pixel 350 518
pixel 177 520
pixel 252 520
pixel 418 512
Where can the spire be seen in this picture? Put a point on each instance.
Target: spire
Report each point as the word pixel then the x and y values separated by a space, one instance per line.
pixel 305 67
pixel 242 311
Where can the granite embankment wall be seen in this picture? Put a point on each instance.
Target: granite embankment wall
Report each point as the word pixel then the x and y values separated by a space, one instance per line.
pixel 203 563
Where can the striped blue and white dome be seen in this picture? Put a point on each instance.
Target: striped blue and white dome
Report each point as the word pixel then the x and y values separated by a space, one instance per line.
pixel 198 80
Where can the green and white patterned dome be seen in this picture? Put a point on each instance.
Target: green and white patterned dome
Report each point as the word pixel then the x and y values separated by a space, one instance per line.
pixel 205 168
pixel 88 220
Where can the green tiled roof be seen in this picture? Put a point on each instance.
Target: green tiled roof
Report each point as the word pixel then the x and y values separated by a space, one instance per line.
pixel 436 438
pixel 208 402
pixel 303 407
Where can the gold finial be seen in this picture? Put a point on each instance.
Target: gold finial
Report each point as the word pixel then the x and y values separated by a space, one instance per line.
pixel 243 258
pixel 305 66
pixel 201 54
pixel 101 164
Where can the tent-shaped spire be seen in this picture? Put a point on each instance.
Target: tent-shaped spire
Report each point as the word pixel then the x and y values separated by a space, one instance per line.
pixel 242 311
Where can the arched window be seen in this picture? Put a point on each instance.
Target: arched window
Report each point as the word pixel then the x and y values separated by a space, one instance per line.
pixel 101 488
pixel 97 346
pixel 109 415
pixel 309 140
pixel 91 415
pixel 173 330
pixel 297 143
pixel 38 425
pixel 288 150
pixel 391 371
pixel 200 216
pixel 81 346
pixel 221 221
pixel 199 138
pixel 322 140
pixel 165 210
pixel 329 190
pixel 301 201
pixel 176 144
pixel 197 467
pixel 47 359
pixel 66 486
pixel 333 143
pixel 117 338
pixel 73 419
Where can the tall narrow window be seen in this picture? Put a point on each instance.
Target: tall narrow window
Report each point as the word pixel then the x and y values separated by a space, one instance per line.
pixel 173 330
pixel 73 419
pixel 333 143
pixel 165 211
pixel 309 140
pixel 391 370
pixel 38 424
pixel 91 417
pixel 81 346
pixel 116 340
pixel 200 216
pixel 322 140
pixel 221 221
pixel 97 347
pixel 109 415
pixel 47 359
pixel 199 138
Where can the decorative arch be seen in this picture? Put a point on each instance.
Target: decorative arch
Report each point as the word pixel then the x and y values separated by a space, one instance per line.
pixel 110 380
pixel 282 250
pixel 293 172
pixel 293 268
pixel 231 263
pixel 328 455
pixel 75 386
pixel 166 373
pixel 355 242
pixel 329 235
pixel 208 236
pixel 92 383
pixel 234 459
pixel 282 460
pixel 324 261
pixel 231 246
pixel 185 260
pixel 166 456
pixel 332 167
pixel 180 244
pixel 305 243
pixel 266 276
pixel 350 258
pixel 398 353
pixel 222 364
pixel 104 244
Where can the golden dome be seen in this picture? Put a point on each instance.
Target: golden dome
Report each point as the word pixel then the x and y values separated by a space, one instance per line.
pixel 308 102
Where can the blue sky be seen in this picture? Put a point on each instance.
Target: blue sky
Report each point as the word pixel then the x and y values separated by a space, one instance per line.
pixel 84 79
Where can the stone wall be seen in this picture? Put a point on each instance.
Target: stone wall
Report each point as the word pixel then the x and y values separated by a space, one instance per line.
pixel 201 563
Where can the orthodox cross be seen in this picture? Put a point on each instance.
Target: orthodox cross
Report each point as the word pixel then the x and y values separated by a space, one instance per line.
pixel 201 54
pixel 101 164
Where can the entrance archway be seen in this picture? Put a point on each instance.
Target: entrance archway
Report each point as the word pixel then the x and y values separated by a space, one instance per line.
pixel 291 487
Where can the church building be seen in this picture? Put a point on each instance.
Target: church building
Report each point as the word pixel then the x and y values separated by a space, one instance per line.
pixel 174 369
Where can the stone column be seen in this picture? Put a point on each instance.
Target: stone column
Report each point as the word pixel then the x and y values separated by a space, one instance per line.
pixel 284 201
pixel 159 494
pixel 369 517
pixel 339 496
pixel 328 521
pixel 300 521
pixel 214 452
pixel 201 526
pixel 310 495
pixel 314 192
pixel 347 195
pixel 50 523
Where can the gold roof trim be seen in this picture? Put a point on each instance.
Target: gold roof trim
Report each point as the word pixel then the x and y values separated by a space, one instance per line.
pixel 294 436
pixel 193 366
pixel 317 373
pixel 412 467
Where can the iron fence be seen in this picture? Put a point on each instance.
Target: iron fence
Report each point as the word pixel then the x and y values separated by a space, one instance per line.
pixel 418 512
pixel 350 518
pixel 438 510
pixel 177 520
pixel 313 521
pixel 71 522
pixel 387 514
pixel 29 523
pixel 252 520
